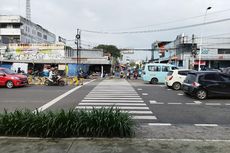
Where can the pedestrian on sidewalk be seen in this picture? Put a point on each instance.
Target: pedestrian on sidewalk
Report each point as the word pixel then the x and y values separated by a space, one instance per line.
pixel 81 77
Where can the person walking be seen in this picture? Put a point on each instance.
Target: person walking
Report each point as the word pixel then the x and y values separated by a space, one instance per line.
pixel 81 77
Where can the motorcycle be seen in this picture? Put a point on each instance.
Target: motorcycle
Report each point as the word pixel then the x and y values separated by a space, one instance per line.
pixel 55 81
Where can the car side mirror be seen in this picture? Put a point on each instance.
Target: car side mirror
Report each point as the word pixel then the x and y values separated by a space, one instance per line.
pixel 2 74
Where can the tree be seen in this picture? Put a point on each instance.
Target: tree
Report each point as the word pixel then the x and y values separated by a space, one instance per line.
pixel 113 50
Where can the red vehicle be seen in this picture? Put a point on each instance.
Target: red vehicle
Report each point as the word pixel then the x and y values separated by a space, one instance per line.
pixel 10 79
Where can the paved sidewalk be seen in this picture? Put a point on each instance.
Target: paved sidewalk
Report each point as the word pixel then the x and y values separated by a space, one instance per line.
pixel 15 145
pixel 157 139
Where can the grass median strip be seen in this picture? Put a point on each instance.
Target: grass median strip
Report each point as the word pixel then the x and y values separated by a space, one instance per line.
pixel 104 122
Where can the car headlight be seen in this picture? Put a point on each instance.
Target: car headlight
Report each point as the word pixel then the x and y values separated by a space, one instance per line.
pixel 16 78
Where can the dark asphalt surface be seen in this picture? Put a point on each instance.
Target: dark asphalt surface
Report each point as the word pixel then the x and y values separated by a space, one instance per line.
pixel 33 97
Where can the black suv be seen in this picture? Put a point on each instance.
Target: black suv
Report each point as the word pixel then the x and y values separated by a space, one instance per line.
pixel 205 84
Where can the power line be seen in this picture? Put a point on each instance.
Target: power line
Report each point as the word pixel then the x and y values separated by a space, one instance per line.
pixel 157 30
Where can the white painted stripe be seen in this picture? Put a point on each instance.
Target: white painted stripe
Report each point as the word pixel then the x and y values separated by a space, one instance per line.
pixel 119 98
pixel 139 89
pixel 144 117
pixel 110 104
pixel 180 94
pixel 191 104
pixel 158 103
pixel 197 102
pixel 139 112
pixel 145 94
pixel 228 104
pixel 112 94
pixel 122 107
pixel 174 103
pixel 213 104
pixel 211 125
pixel 112 101
pixel 152 101
pixel 50 103
pixel 160 124
pixel 99 96
pixel 169 89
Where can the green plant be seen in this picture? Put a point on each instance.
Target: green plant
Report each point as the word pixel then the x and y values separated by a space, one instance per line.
pixel 104 122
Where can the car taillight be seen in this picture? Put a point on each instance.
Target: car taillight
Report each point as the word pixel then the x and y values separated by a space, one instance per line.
pixel 195 84
pixel 170 78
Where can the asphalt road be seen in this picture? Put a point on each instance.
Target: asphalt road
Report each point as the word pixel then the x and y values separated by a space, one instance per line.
pixel 169 107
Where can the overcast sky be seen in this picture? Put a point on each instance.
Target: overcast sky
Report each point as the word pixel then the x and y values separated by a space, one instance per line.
pixel 63 17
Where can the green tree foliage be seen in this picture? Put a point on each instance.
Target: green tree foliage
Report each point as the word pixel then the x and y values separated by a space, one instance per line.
pixel 113 50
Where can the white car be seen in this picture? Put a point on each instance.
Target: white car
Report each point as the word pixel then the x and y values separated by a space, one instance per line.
pixel 175 78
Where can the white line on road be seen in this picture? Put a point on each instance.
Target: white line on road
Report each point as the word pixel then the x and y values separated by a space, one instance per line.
pixel 121 107
pixel 145 94
pixel 155 102
pixel 139 112
pixel 47 105
pixel 197 102
pixel 139 89
pixel 111 104
pixel 145 117
pixel 228 104
pixel 113 101
pixel 180 94
pixel 209 125
pixel 106 96
pixel 159 124
pixel 174 103
pixel 119 98
pixel 213 104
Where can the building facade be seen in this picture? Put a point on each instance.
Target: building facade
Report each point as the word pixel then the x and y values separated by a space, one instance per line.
pixel 17 29
pixel 184 52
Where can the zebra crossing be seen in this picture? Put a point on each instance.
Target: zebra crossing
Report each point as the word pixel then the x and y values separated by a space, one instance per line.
pixel 120 94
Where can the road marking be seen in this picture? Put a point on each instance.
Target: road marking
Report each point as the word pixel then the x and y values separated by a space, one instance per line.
pixel 106 96
pixel 86 98
pixel 112 104
pixel 139 112
pixel 139 89
pixel 174 103
pixel 160 124
pixel 169 89
pixel 145 94
pixel 191 104
pixel 180 94
pixel 145 117
pixel 112 101
pixel 50 103
pixel 119 107
pixel 228 104
pixel 197 102
pixel 155 102
pixel 213 104
pixel 208 125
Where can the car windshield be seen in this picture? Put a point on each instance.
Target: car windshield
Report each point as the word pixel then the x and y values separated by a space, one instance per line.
pixel 8 71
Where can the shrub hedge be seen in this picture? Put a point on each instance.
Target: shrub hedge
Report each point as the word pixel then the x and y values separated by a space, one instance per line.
pixel 104 122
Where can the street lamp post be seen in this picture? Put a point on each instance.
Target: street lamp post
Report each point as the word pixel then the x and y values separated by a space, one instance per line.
pixel 201 38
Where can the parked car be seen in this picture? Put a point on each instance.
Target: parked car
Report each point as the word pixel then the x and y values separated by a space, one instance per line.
pixel 206 84
pixel 175 78
pixel 156 72
pixel 10 79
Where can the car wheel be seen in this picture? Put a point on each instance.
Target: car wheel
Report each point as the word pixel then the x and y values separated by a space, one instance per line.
pixel 9 84
pixel 154 81
pixel 176 86
pixel 201 94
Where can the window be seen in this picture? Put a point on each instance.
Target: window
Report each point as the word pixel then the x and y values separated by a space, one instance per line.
pixel 185 73
pixel 211 77
pixel 45 37
pixel 165 68
pixel 225 77
pixel 154 68
pixel 223 51
pixel 39 34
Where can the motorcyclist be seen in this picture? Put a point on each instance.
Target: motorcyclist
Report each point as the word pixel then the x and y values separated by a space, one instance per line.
pixel 51 75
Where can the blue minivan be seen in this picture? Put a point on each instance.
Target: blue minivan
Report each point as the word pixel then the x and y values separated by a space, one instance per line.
pixel 156 72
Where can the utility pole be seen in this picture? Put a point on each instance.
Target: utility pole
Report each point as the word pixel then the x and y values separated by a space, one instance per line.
pixel 77 42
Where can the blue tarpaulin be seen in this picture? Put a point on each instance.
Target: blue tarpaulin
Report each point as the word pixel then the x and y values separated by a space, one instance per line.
pixel 73 69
